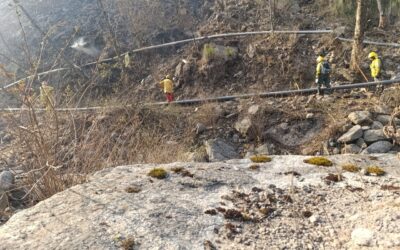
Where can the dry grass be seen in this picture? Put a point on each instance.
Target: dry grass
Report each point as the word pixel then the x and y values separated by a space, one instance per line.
pixel 59 150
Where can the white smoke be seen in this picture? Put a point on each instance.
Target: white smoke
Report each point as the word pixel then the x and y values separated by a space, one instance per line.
pixel 83 46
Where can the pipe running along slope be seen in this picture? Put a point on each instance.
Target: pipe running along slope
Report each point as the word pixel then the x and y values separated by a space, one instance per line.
pixel 274 94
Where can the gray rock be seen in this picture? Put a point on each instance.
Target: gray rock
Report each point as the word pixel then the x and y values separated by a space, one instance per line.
pixel 382 109
pixel 378 148
pixel 362 236
pixel 351 149
pixel 266 149
pixel 200 128
pixel 253 109
pixel 371 136
pixel 314 219
pixel 199 155
pixel 376 125
pixel 336 151
pixel 243 126
pixel 346 127
pixel 220 150
pixel 7 138
pixel 353 134
pixel 309 116
pixel 6 180
pixel 361 143
pixel 360 117
pixel 365 128
pixel 384 119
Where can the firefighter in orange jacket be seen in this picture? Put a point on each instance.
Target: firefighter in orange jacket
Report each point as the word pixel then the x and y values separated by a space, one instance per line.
pixel 168 86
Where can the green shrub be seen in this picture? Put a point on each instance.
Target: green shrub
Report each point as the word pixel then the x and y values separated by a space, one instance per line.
pixel 229 52
pixel 208 51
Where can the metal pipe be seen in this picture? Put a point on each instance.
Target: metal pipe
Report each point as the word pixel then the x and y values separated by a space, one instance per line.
pixel 396 45
pixel 274 94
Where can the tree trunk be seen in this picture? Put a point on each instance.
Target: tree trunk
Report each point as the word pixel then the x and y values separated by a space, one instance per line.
pixel 358 35
pixel 382 16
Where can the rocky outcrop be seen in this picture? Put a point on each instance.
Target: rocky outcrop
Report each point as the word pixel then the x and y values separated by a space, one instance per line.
pixel 220 150
pixel 204 206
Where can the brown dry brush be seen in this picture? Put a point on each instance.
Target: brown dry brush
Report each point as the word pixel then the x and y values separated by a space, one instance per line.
pixel 58 150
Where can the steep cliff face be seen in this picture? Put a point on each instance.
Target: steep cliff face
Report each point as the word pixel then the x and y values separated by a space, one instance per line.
pixel 235 204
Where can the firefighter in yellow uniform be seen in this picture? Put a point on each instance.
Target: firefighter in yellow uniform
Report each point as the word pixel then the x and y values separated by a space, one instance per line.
pixel 168 86
pixel 47 96
pixel 376 69
pixel 322 75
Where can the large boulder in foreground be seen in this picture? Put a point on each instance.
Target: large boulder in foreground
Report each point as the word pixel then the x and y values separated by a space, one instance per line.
pixel 199 205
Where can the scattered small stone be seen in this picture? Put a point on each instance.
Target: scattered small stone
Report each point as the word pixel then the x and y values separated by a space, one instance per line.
pixel 314 219
pixel 256 189
pixel 211 212
pixel 133 189
pixel 292 173
pixel 310 116
pixel 334 178
pixel 362 236
pixel 307 214
pixel 200 128
pixel 208 245
pixel 254 167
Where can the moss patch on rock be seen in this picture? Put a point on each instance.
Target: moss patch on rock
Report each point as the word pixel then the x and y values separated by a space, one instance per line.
pixel 260 158
pixel 375 170
pixel 319 161
pixel 158 173
pixel 350 168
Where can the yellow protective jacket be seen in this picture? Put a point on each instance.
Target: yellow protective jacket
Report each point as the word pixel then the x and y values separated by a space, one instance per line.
pixel 375 67
pixel 167 85
pixel 318 70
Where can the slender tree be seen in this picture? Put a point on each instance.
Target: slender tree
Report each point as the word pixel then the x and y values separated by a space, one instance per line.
pixel 358 34
pixel 382 15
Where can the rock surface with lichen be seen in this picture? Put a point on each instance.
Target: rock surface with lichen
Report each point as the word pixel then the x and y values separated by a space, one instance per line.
pixel 283 203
